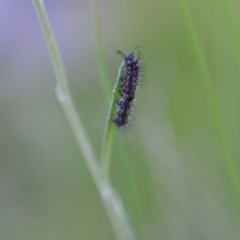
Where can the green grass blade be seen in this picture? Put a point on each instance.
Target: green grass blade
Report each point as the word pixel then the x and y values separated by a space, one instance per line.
pixel 129 183
pixel 100 52
pixel 233 27
pixel 110 128
pixel 212 99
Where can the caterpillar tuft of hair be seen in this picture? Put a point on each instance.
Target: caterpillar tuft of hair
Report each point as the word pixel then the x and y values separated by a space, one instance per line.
pixel 128 86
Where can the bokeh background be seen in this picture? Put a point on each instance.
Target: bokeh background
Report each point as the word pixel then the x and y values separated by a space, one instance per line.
pixel 176 162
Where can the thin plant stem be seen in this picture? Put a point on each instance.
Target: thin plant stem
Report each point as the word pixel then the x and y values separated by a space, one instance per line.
pixel 234 35
pixel 111 201
pixel 109 129
pixel 62 90
pixel 212 99
pixel 233 27
pixel 100 52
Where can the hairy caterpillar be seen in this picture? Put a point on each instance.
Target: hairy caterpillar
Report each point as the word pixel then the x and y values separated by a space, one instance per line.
pixel 128 86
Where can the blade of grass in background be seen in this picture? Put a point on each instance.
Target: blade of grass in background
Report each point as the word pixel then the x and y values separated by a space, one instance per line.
pixel 111 201
pixel 233 27
pixel 234 34
pixel 100 52
pixel 212 99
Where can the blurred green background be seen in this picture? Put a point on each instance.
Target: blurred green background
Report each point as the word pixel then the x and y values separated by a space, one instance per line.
pixel 175 159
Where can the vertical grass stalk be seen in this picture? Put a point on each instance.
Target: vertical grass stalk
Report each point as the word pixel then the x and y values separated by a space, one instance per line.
pixel 212 99
pixel 233 27
pixel 135 211
pixel 62 90
pixel 100 52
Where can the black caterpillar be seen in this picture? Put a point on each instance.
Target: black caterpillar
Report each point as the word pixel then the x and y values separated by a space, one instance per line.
pixel 128 86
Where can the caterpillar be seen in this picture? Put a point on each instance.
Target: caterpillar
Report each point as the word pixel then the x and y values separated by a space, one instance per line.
pixel 128 86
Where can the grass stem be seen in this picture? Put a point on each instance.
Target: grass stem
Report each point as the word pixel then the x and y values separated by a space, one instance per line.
pixel 100 52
